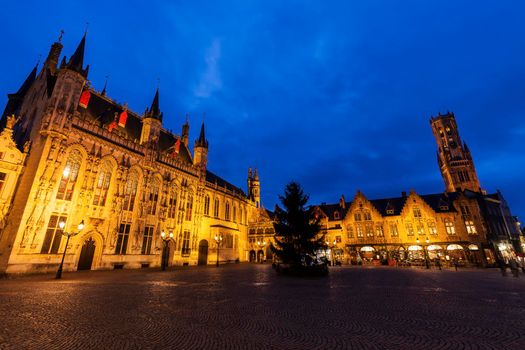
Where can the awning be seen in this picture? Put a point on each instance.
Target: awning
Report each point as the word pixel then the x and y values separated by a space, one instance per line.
pixel 454 247
pixel 415 247
pixel 434 247
pixel 367 249
pixel 473 247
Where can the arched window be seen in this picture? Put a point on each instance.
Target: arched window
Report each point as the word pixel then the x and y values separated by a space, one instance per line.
pixel 240 215
pixel 153 196
pixel 130 192
pixel 172 203
pixel 216 208
pixel 207 205
pixel 227 211
pixel 102 185
pixel 234 215
pixel 189 207
pixel 69 176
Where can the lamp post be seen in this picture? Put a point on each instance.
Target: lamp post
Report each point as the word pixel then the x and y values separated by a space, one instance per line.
pixel 62 225
pixel 427 241
pixel 261 245
pixel 218 240
pixel 165 248
pixel 332 251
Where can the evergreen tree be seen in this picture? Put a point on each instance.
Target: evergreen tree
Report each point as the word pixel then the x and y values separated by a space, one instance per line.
pixel 297 229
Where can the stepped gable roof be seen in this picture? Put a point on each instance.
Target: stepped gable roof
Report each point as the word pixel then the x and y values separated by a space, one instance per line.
pixel 330 209
pixel 383 205
pixel 213 178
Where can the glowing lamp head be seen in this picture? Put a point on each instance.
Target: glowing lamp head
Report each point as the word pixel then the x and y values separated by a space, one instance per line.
pixel 163 234
pixel 171 234
pixel 62 224
pixel 80 226
pixel 427 240
pixel 417 240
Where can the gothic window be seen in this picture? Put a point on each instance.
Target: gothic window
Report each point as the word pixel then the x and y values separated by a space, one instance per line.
pixel 216 208
pixel 53 235
pixel 69 176
pixel 359 231
pixel 368 216
pixel 410 229
pixel 471 228
pixel 369 230
pixel 240 215
pixel 172 204
pixel 130 192
pixel 379 231
pixel 227 211
pixel 449 227
pixel 102 185
pixel 432 228
pixel 189 207
pixel 207 205
pixel 357 216
pixel 146 242
pixel 2 181
pixel 153 196
pixel 393 230
pixel 122 238
pixel 234 215
pixel 186 244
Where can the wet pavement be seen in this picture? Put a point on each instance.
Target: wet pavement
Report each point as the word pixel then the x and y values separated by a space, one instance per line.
pixel 248 306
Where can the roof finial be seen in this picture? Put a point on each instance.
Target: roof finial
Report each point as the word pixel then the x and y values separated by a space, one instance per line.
pixel 158 83
pixel 86 30
pixel 105 86
pixel 61 35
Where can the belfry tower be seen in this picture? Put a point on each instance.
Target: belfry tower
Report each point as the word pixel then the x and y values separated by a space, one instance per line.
pixel 454 158
pixel 254 187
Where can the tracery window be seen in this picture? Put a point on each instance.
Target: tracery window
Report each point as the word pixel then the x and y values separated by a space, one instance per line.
pixel 69 176
pixel 130 192
pixel 216 208
pixel 153 196
pixel 189 207
pixel 172 204
pixel 102 185
pixel 53 235
pixel 207 205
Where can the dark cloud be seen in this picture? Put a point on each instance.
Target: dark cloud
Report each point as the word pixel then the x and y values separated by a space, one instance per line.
pixel 336 94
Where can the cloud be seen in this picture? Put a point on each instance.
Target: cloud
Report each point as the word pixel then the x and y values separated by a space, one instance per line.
pixel 210 79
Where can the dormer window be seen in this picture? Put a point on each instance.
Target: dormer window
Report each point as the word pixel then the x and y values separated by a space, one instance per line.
pixel 336 215
pixel 390 211
pixel 443 207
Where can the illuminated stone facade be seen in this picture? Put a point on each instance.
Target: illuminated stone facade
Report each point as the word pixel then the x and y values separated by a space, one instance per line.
pixel 69 153
pixel 464 224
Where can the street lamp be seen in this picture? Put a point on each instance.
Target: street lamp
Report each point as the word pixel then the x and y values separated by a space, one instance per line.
pixel 62 225
pixel 332 249
pixel 165 241
pixel 218 240
pixel 427 265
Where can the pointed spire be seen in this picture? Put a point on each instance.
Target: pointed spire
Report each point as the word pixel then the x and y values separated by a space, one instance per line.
pixel 202 142
pixel 103 93
pixel 28 82
pixel 76 62
pixel 154 111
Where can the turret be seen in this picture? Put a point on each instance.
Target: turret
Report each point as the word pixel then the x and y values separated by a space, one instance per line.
pixel 254 187
pixel 185 135
pixel 151 121
pixel 76 62
pixel 454 158
pixel 54 54
pixel 200 149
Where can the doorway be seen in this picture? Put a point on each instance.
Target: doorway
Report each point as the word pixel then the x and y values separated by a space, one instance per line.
pixel 86 255
pixel 203 252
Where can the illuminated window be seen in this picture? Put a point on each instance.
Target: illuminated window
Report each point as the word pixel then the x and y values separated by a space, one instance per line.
pixel 432 228
pixel 189 207
pixel 186 244
pixel 102 185
pixel 410 229
pixel 130 192
pixel 471 228
pixel 172 204
pixel 449 227
pixel 153 197
pixel 207 205
pixel 359 231
pixel 69 176
pixel 379 231
pixel 146 242
pixel 122 238
pixel 2 181
pixel 216 208
pixel 227 211
pixel 53 235
pixel 369 230
pixel 338 239
pixel 393 230
pixel 420 229
pixel 350 231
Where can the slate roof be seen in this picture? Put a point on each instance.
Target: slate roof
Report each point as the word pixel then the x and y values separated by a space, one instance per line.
pixel 215 179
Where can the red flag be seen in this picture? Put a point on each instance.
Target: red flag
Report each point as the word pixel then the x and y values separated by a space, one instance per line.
pixel 84 99
pixel 122 118
pixel 112 126
pixel 176 149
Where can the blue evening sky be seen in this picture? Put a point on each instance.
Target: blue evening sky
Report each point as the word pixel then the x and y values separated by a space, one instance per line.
pixel 334 94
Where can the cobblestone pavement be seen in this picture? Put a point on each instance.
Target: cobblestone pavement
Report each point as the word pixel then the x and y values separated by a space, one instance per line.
pixel 249 306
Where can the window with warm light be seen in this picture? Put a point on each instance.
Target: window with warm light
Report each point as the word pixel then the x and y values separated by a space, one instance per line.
pixel 359 231
pixel 53 235
pixel 153 196
pixel 410 229
pixel 393 230
pixel 69 176
pixel 130 192
pixel 379 231
pixel 3 177
pixel 189 207
pixel 172 204
pixel 102 185
pixel 449 227
pixel 432 228
pixel 471 228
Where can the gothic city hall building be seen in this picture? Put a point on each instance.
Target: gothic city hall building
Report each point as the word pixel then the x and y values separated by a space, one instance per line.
pixel 73 162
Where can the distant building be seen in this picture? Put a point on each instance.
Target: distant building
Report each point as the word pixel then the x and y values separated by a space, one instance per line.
pixel 463 224
pixel 71 154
